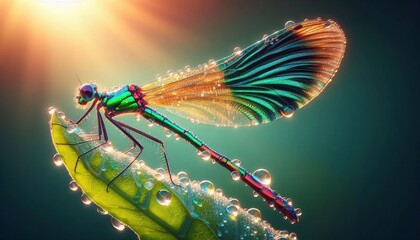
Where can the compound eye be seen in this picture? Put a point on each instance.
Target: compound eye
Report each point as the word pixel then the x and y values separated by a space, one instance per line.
pixel 87 92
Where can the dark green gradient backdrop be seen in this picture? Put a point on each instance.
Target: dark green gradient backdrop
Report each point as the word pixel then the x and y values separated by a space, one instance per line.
pixel 349 159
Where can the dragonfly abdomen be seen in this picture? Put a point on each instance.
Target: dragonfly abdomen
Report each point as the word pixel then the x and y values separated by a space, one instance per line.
pixel 270 196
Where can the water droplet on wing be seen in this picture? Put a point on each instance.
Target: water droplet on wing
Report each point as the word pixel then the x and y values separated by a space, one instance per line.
pixel 289 24
pixel 287 112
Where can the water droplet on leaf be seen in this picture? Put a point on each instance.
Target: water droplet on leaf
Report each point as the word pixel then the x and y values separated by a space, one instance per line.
pixel 57 160
pixel 117 224
pixel 101 211
pixel 163 197
pixel 207 186
pixel 73 185
pixel 85 199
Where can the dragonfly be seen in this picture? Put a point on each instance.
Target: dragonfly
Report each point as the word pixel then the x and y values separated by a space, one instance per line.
pixel 266 81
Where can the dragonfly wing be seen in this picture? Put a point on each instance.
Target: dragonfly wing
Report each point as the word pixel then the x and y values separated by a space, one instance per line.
pixel 263 82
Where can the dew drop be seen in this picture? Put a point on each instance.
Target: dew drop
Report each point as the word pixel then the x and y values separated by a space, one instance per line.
pixel 199 152
pixel 73 185
pixel 232 210
pixel 292 236
pixel 141 163
pixel 284 234
pixel 182 174
pixel 287 112
pixel 184 181
pixel 150 122
pixel 219 233
pixel 289 24
pixel 235 175
pixel 85 199
pixel 138 117
pixel 298 212
pixel 149 184
pixel 163 197
pixel 255 213
pixel 237 51
pixel 108 147
pixel 61 115
pixel 237 162
pixel 101 211
pixel 168 133
pixel 212 63
pixel 289 202
pixel 271 203
pixel 207 187
pixel 51 110
pixel 187 68
pixel 160 174
pixel 255 194
pixel 177 137
pixel 57 160
pixel 205 155
pixel 263 176
pixel 72 128
pixel 117 224
pixel 218 192
pixel 234 202
pixel 197 202
pixel 327 25
pixel 265 38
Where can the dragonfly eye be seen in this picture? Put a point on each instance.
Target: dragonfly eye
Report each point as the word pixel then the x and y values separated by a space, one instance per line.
pixel 87 92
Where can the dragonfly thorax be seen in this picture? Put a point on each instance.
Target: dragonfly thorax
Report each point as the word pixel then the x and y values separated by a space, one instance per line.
pixel 128 98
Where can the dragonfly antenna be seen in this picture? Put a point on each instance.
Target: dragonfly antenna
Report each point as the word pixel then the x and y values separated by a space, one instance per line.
pixel 78 78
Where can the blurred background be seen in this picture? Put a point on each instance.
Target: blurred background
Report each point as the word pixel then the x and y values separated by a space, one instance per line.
pixel 349 159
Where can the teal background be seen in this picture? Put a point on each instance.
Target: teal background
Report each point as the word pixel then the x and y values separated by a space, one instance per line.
pixel 349 159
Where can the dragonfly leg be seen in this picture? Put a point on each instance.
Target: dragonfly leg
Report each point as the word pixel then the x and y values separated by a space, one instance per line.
pixel 83 117
pixel 101 131
pixel 158 141
pixel 121 128
pixel 131 148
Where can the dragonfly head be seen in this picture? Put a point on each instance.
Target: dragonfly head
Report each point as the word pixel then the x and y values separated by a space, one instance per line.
pixel 87 92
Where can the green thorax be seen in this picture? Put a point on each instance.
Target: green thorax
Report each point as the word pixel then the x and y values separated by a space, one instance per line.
pixel 120 100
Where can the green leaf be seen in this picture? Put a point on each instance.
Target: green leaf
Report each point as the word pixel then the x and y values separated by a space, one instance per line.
pixel 133 197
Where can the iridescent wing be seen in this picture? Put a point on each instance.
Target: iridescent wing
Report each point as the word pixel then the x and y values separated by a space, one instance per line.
pixel 265 81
